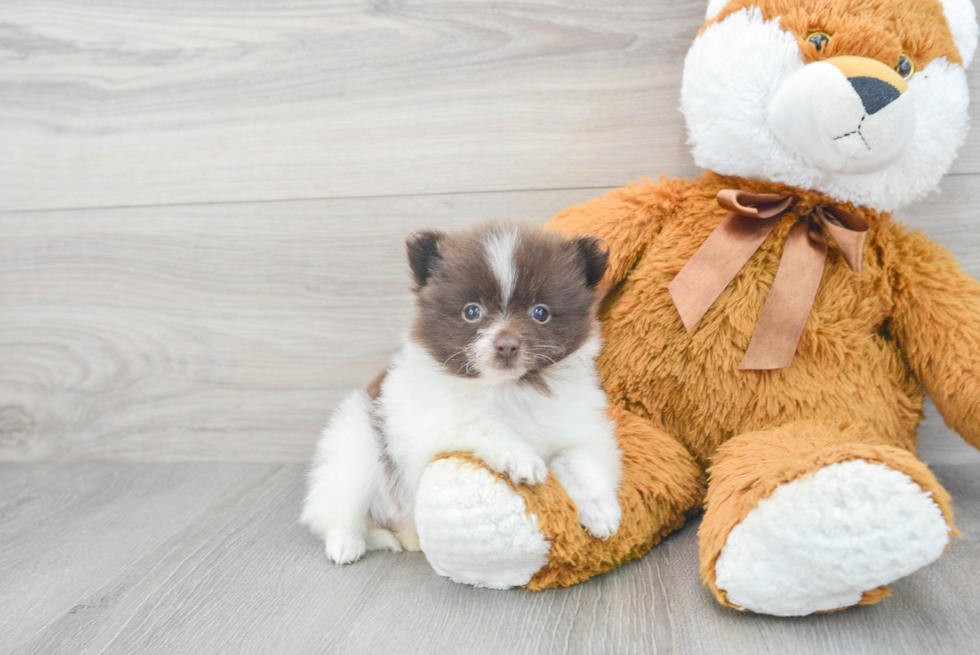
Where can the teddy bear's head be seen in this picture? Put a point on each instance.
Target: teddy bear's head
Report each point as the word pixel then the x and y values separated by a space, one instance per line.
pixel 864 101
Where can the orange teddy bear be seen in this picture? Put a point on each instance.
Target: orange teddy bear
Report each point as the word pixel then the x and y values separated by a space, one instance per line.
pixel 769 328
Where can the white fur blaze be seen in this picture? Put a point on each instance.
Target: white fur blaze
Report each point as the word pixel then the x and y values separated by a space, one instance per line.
pixel 500 246
pixel 476 530
pixel 819 542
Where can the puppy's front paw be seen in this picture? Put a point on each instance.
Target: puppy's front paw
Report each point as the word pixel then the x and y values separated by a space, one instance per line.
pixel 521 466
pixel 600 517
pixel 344 547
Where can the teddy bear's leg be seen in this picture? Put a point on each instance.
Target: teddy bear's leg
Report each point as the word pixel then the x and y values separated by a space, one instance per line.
pixel 477 527
pixel 807 518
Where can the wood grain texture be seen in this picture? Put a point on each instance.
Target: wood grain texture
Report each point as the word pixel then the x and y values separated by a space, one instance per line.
pixel 67 530
pixel 116 102
pixel 215 331
pixel 228 332
pixel 128 103
pixel 207 558
pixel 205 327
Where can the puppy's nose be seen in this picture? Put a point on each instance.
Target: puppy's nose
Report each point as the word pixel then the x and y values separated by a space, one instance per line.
pixel 507 347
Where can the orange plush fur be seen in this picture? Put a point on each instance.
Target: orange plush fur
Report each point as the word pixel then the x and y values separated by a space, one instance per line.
pixel 873 341
pixel 878 30
pixel 852 391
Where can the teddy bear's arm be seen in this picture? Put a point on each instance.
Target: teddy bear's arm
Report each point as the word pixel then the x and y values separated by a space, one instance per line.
pixel 937 323
pixel 627 219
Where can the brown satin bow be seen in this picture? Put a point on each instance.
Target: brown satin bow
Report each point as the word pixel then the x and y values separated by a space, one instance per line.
pixel 752 216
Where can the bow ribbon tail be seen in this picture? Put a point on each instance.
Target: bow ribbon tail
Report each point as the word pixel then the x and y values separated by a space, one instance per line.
pixel 716 263
pixel 784 315
pixel 787 307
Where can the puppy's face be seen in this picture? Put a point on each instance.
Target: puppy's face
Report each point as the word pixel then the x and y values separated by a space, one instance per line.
pixel 503 303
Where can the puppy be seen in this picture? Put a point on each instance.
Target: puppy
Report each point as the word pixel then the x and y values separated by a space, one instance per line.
pixel 499 362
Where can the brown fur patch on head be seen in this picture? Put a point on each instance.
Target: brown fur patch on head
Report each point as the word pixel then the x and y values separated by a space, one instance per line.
pixel 880 30
pixel 549 270
pixel 458 274
pixel 562 275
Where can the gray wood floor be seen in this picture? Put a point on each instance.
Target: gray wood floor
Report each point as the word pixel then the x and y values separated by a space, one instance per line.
pixel 202 210
pixel 207 558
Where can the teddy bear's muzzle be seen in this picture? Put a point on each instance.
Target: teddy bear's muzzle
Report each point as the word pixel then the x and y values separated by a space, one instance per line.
pixel 844 115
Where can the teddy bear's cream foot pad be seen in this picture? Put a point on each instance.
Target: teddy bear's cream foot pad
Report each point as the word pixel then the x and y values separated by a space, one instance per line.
pixel 819 542
pixel 473 528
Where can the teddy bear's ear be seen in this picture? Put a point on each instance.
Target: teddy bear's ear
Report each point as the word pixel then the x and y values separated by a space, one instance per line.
pixel 423 254
pixel 962 18
pixel 714 8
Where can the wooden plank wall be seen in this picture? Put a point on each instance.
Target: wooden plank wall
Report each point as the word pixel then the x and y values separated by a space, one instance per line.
pixel 203 204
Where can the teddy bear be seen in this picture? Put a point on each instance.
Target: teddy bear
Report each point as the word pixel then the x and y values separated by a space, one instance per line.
pixel 769 330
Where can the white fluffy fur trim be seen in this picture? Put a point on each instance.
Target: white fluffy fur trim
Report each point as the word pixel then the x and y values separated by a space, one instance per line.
pixel 714 8
pixel 818 542
pixel 474 529
pixel 731 73
pixel 942 120
pixel 962 18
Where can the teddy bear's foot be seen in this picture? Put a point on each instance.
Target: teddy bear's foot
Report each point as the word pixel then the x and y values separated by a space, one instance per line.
pixel 474 528
pixel 820 542
pixel 808 518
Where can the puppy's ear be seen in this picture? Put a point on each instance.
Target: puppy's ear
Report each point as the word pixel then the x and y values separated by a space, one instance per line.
pixel 423 255
pixel 595 256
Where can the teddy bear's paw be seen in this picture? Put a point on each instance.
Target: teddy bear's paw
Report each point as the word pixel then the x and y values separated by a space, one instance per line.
pixel 600 516
pixel 475 529
pixel 820 541
pixel 343 547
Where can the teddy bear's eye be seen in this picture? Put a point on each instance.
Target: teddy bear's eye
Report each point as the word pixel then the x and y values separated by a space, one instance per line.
pixel 905 66
pixel 819 40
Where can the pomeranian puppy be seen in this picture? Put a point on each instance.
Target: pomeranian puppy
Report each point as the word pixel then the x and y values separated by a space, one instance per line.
pixel 500 363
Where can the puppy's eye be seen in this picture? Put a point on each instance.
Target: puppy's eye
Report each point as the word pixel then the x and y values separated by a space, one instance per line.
pixel 472 313
pixel 541 314
pixel 905 66
pixel 819 40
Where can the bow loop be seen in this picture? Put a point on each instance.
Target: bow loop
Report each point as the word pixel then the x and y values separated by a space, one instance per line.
pixel 751 218
pixel 754 205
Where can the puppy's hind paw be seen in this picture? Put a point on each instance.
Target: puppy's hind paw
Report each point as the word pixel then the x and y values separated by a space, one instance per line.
pixel 344 547
pixel 600 517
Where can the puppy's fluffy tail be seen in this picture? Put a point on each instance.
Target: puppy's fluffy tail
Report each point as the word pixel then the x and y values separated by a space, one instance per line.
pixel 381 539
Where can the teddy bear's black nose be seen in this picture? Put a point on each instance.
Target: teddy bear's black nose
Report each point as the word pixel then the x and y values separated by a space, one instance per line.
pixel 875 94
